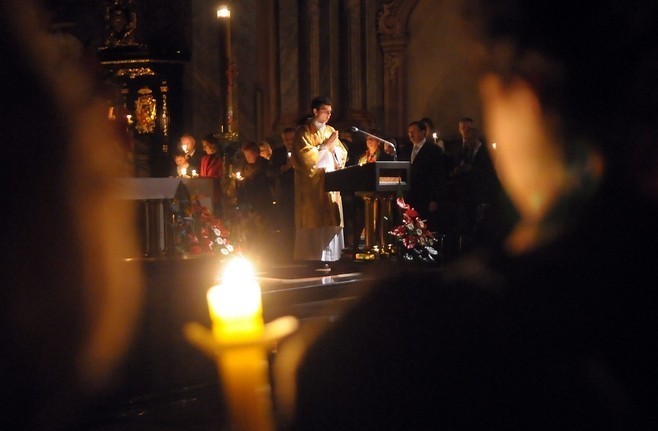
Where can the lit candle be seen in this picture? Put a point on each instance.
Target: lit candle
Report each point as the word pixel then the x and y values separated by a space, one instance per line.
pixel 183 172
pixel 223 12
pixel 194 174
pixel 235 304
pixel 184 147
pixel 237 325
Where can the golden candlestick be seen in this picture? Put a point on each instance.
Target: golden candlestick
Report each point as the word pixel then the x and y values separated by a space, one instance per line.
pixel 228 130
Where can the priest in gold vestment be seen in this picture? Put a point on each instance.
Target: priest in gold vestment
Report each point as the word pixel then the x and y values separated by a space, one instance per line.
pixel 318 214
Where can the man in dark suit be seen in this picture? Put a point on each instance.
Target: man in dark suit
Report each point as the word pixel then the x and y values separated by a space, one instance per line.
pixel 427 177
pixel 475 184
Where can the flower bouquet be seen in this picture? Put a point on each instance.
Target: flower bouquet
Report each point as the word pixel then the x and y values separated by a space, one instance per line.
pixel 414 240
pixel 199 232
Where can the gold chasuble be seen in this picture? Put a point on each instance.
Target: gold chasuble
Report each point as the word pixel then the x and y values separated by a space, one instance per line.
pixel 318 214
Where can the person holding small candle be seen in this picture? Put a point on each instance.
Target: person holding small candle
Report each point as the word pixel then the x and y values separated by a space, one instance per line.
pixel 212 162
pixel 212 166
pixel 254 192
pixel 254 199
pixel 374 150
pixel 265 150
pixel 188 145
pixel 182 167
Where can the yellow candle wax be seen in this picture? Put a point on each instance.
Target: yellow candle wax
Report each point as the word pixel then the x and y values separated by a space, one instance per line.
pixel 235 305
pixel 244 375
pixel 236 312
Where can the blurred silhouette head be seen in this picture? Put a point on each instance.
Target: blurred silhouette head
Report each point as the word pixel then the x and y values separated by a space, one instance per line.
pixel 69 301
pixel 541 95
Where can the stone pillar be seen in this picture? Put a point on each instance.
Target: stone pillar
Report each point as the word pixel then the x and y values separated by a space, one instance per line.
pixel 356 84
pixel 288 64
pixel 393 38
pixel 312 30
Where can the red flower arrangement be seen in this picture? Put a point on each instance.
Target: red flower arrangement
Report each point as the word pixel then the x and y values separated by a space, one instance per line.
pixel 199 232
pixel 414 239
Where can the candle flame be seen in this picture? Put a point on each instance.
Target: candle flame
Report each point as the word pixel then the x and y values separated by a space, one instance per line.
pixel 238 269
pixel 223 12
pixel 238 295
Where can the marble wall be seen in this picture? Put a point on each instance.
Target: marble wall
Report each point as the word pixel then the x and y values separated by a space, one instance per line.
pixel 441 80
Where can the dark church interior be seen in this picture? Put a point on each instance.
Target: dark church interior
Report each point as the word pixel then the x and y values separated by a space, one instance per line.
pixel 294 215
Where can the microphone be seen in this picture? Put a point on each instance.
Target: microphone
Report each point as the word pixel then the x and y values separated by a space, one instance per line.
pixel 395 150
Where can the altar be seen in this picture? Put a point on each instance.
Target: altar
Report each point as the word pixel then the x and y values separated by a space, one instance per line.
pixel 156 200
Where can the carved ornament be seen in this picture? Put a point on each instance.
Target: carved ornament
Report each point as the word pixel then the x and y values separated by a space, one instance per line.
pixel 145 111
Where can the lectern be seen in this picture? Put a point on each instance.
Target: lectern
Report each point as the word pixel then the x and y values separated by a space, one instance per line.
pixel 377 184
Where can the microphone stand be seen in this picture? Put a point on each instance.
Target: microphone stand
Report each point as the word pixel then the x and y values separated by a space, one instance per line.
pixel 395 150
